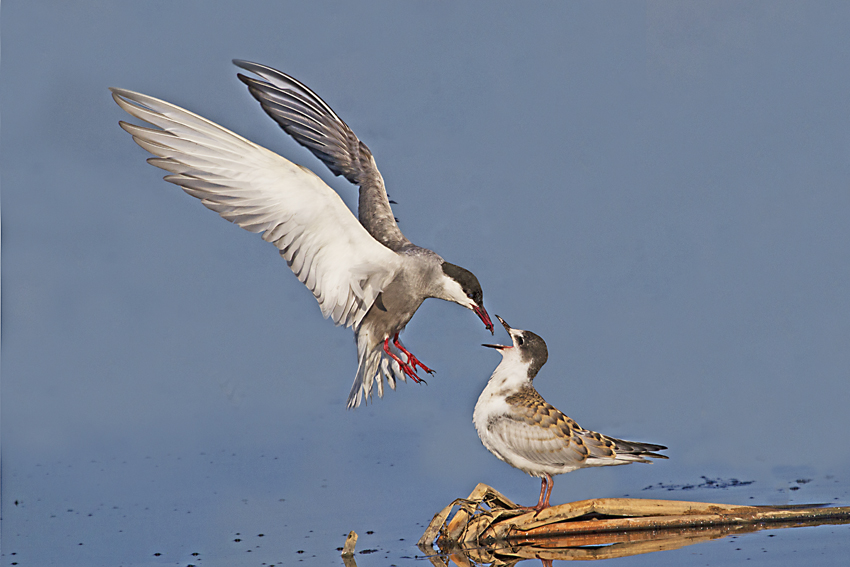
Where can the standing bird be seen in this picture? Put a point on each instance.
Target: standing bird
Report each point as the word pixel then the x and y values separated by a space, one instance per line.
pixel 517 425
pixel 366 274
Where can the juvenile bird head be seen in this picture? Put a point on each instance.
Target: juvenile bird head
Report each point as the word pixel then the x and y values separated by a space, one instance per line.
pixel 528 349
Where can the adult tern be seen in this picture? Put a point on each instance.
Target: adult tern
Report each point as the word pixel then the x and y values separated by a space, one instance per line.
pixel 365 274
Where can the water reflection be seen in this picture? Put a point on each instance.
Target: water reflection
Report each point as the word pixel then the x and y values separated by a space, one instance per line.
pixel 487 528
pixel 594 546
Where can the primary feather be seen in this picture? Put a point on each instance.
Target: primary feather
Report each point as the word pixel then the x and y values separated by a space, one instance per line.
pixel 290 206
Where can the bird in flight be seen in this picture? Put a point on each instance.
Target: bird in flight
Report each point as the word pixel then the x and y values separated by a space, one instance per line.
pixel 516 424
pixel 364 274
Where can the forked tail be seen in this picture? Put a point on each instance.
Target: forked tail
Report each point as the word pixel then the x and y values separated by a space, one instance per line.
pixel 631 451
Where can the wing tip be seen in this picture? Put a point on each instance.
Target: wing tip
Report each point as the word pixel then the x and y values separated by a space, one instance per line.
pixel 245 64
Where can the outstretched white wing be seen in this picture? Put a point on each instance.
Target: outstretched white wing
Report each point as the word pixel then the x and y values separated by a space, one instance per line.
pixel 323 243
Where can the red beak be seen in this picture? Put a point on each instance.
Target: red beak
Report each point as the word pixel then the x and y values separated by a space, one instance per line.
pixel 485 318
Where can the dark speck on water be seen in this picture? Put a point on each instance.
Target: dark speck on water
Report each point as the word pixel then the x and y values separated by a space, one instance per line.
pixel 170 373
pixel 707 483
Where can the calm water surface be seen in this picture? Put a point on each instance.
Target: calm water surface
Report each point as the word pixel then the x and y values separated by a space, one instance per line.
pixel 251 506
pixel 658 189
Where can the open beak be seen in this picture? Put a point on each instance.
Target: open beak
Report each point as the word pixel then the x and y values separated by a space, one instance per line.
pixel 504 324
pixel 508 329
pixel 482 314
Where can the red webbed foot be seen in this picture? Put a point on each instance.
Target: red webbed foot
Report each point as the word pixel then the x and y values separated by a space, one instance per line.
pixel 405 367
pixel 412 361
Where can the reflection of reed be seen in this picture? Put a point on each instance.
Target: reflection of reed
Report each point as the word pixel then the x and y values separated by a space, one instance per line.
pixel 489 528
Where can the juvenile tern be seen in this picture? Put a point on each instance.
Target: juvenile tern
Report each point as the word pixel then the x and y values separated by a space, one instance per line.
pixel 365 274
pixel 516 424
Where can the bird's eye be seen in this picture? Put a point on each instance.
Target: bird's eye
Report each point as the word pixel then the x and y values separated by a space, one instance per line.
pixel 519 340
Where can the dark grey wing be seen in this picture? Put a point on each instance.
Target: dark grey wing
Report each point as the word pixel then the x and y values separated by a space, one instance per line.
pixel 633 448
pixel 606 450
pixel 314 125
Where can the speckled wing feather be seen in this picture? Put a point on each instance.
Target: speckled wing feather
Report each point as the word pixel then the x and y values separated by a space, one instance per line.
pixel 539 433
pixel 312 123
pixel 324 245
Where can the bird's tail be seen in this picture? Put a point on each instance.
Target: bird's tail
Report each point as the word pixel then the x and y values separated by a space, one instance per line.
pixel 637 452
pixel 606 451
pixel 374 366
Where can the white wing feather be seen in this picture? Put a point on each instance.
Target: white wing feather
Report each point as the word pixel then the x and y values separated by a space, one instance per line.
pixel 523 443
pixel 323 243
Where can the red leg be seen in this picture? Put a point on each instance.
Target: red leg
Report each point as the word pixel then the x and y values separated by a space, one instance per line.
pixel 549 492
pixel 542 492
pixel 411 360
pixel 543 501
pixel 546 486
pixel 408 371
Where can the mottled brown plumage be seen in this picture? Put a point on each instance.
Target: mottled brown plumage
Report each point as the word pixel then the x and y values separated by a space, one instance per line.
pixel 517 425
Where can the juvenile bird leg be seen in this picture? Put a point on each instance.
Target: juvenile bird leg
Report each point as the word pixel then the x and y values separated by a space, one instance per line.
pixel 548 492
pixel 546 486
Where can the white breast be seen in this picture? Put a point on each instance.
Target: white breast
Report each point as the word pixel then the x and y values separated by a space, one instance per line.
pixel 507 379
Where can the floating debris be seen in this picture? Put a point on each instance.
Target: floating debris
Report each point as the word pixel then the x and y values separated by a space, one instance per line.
pixel 348 549
pixel 350 542
pixel 488 528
